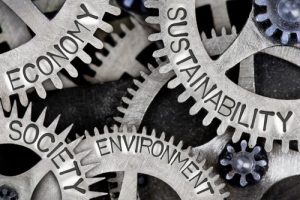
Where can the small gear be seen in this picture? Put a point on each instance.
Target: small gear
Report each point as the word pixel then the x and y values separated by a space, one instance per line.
pixel 119 60
pixel 133 153
pixel 55 44
pixel 57 159
pixel 244 163
pixel 283 16
pixel 206 82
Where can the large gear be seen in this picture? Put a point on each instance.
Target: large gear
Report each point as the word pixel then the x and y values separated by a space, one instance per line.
pixel 205 79
pixel 56 43
pixel 133 153
pixel 57 160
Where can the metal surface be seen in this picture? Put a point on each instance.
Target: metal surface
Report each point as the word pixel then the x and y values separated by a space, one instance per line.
pixel 58 161
pixel 122 58
pixel 205 79
pixel 133 153
pixel 55 45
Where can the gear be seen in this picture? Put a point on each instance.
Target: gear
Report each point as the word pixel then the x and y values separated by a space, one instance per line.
pixel 244 163
pixel 135 153
pixel 57 159
pixel 119 60
pixel 205 79
pixel 56 43
pixel 283 16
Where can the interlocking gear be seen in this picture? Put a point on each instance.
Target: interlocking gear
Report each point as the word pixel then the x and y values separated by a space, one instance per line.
pixel 283 16
pixel 205 79
pixel 56 43
pixel 119 60
pixel 133 153
pixel 57 160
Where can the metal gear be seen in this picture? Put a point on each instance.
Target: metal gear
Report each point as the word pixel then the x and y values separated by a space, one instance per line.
pixel 119 60
pixel 123 150
pixel 205 79
pixel 244 163
pixel 56 43
pixel 283 17
pixel 57 160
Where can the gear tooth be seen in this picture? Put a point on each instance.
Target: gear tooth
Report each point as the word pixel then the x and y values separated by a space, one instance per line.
pixel 14 110
pixel 124 129
pixel 223 31
pixel 160 53
pixel 150 67
pixel 42 116
pixel 106 130
pixel 215 178
pixel 195 108
pixel 115 128
pixel 86 58
pixel 152 4
pixel 64 134
pixel 165 68
pixel 6 104
pixel 171 141
pixel 143 75
pixel 163 136
pixel 189 150
pixel 99 56
pixel 77 135
pixel 144 131
pixel 174 83
pixel 108 47
pixel 285 145
pixel 131 91
pixel 262 17
pixel 57 82
pixel 209 170
pixel 52 127
pixel 180 145
pixel 222 129
pixel 114 10
pixel 252 141
pixel 208 119
pixel 121 109
pixel 268 145
pixel 93 194
pixel 92 181
pixel 23 98
pixel 119 119
pixel 28 112
pixel 124 28
pixel 261 2
pixel 203 36
pixel 271 30
pixel 155 37
pixel 96 42
pixel 213 33
pixel 152 20
pixel 40 91
pixel 126 100
pixel 115 37
pixel 133 129
pixel 183 97
pixel 202 163
pixel 236 136
pixel 233 30
pixel 137 83
pixel 71 70
pixel 285 38
pixel 74 144
pixel 106 27
pixel 87 134
pixel 153 133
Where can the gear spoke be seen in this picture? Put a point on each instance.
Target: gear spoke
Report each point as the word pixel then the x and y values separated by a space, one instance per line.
pixel 129 186
pixel 30 14
pixel 249 42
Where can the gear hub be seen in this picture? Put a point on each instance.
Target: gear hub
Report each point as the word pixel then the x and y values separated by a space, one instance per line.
pixel 242 164
pixel 8 193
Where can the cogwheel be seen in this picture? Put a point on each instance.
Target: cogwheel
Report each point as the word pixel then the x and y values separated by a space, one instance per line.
pixel 205 79
pixel 57 159
pixel 281 16
pixel 133 153
pixel 56 43
pixel 119 60
pixel 280 167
